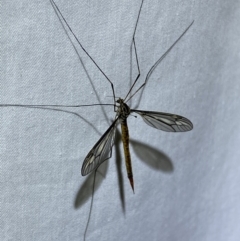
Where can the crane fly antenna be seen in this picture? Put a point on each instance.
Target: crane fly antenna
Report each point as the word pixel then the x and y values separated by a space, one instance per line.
pixel 68 26
pixel 159 60
pixel 135 51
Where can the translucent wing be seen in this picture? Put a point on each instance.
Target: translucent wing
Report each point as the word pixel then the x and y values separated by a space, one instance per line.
pixel 165 121
pixel 101 151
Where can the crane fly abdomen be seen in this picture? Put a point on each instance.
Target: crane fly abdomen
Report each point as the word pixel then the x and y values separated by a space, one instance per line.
pixel 125 141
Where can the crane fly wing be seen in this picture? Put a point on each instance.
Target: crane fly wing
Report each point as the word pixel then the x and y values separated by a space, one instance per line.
pixel 101 151
pixel 165 121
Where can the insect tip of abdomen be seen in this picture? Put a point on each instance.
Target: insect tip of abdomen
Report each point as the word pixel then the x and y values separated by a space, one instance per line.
pixel 132 183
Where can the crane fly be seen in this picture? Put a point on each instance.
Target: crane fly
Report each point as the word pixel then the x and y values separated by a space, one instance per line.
pixel 159 120
pixel 102 150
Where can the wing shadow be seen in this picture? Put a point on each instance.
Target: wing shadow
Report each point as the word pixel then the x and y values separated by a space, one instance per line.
pixel 152 157
pixel 86 190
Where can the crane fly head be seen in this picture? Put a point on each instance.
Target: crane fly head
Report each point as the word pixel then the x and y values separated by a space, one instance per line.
pixel 123 110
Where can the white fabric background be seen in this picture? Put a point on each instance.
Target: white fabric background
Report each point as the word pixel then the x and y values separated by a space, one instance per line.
pixel 191 192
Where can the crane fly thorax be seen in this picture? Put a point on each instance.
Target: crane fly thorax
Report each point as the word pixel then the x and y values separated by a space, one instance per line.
pixel 123 110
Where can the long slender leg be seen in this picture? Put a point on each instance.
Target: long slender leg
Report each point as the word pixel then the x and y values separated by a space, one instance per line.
pixel 60 13
pixel 159 60
pixel 135 51
pixel 38 106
